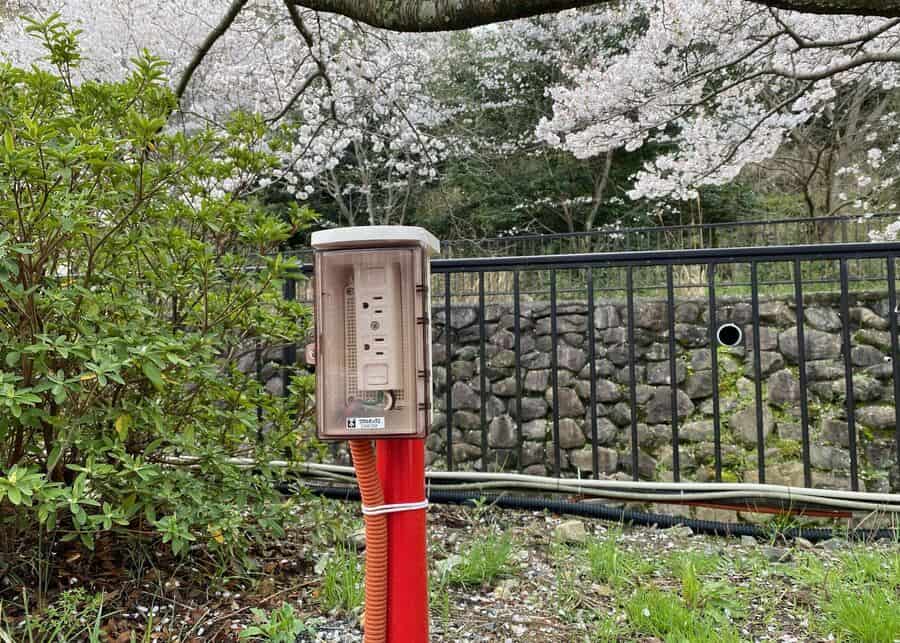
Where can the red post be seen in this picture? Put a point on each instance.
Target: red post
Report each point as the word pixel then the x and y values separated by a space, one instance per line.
pixel 401 467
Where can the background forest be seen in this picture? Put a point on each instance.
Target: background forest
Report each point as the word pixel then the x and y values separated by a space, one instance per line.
pixel 641 113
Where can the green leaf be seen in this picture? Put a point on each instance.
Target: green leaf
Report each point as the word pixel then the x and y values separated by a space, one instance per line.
pixel 123 423
pixel 53 459
pixel 152 372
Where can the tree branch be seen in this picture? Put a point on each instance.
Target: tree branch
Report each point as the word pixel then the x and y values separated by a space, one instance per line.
pixel 440 15
pixel 223 26
pixel 451 15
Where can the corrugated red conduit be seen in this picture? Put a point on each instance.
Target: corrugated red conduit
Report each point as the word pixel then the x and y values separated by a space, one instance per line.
pixel 375 625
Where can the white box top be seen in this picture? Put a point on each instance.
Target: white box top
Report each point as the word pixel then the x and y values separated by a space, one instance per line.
pixel 375 236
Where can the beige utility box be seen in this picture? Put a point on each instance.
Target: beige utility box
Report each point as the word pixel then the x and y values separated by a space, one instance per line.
pixel 373 332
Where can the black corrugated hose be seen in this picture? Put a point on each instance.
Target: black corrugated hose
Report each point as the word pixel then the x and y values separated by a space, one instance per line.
pixel 624 516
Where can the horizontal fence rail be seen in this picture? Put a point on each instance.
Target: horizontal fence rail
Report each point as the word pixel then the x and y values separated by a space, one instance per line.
pixel 769 364
pixel 750 233
pixel 732 234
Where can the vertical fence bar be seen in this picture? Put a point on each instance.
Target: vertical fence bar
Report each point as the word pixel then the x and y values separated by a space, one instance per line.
pixel 482 371
pixel 595 454
pixel 848 374
pixel 288 351
pixel 757 375
pixel 895 346
pixel 517 347
pixel 673 370
pixel 554 373
pixel 632 371
pixel 257 360
pixel 714 366
pixel 801 358
pixel 448 363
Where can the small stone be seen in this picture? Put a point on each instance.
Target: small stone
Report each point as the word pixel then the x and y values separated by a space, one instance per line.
pixel 464 397
pixel 817 344
pixel 462 317
pixel 748 541
pixel 869 319
pixel 537 381
pixel 700 431
pixel 659 408
pixel 877 417
pixel 357 540
pixel 699 385
pixel 784 388
pixel 832 544
pixel 570 531
pixel 502 432
pixel 866 355
pixel 743 424
pixel 608 391
pixel 570 434
pixel 776 554
pixel 569 358
pixel 803 543
pixel 680 531
pixel 824 319
pixel 535 430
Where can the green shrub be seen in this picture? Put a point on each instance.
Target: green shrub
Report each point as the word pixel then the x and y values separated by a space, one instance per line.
pixel 124 304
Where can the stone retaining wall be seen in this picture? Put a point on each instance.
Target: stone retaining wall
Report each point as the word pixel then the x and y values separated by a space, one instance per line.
pixel 781 427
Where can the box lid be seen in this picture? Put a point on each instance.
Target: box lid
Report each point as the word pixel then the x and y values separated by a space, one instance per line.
pixel 375 236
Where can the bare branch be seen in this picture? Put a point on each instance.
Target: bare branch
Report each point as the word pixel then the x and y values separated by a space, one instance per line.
pixel 300 91
pixel 832 70
pixel 223 26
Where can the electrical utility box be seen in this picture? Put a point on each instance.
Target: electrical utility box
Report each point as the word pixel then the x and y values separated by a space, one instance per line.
pixel 373 332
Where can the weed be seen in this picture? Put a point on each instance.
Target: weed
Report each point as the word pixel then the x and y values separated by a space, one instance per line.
pixel 607 630
pixel 440 598
pixel 281 625
pixel 810 571
pixel 76 615
pixel 342 581
pixel 483 562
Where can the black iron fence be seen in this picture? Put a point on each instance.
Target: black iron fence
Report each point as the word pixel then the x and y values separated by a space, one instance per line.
pixel 828 401
pixel 761 364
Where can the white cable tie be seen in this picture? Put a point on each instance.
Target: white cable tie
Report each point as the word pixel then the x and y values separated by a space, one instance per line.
pixel 395 508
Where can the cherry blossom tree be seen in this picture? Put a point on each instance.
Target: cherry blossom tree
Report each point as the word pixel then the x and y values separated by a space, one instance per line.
pixel 346 102
pixel 728 84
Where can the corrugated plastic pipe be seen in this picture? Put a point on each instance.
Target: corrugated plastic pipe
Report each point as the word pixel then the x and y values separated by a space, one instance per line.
pixel 376 542
pixel 640 518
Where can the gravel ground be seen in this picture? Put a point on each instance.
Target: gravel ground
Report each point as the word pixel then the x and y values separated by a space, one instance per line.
pixel 556 579
pixel 546 592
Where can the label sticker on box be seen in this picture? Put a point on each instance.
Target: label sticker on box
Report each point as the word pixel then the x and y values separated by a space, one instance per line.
pixel 365 423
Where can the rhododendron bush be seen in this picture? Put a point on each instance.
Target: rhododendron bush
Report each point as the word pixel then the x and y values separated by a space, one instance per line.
pixel 125 305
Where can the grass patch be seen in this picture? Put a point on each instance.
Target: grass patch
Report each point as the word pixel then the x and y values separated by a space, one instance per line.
pixel 664 615
pixel 869 616
pixel 610 564
pixel 342 585
pixel 483 562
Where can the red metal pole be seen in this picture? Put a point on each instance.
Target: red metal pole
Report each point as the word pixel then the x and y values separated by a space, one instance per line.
pixel 401 467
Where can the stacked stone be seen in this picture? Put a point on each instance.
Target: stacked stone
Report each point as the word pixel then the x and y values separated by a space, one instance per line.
pixel 779 367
